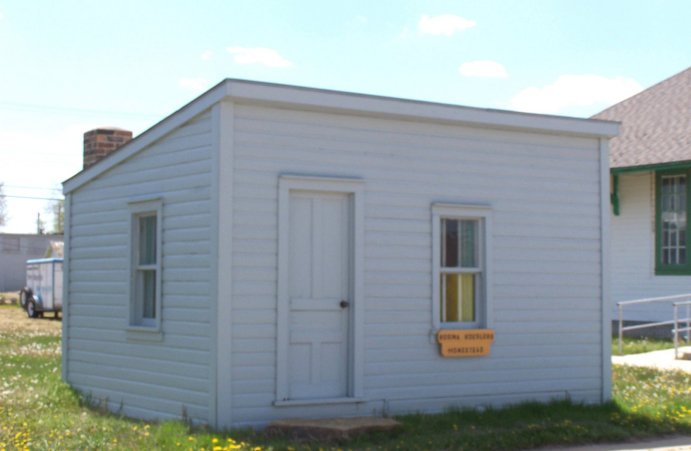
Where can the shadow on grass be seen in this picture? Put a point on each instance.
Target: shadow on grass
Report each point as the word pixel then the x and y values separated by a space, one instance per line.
pixel 523 426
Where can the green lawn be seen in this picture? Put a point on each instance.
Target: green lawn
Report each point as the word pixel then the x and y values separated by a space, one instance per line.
pixel 38 411
pixel 640 345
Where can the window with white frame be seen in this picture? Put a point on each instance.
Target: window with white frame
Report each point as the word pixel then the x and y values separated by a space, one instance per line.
pixel 145 251
pixel 461 265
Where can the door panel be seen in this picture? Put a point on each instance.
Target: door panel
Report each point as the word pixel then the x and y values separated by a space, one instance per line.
pixel 319 279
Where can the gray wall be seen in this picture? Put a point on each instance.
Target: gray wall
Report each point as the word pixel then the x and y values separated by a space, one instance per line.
pixel 146 379
pixel 15 250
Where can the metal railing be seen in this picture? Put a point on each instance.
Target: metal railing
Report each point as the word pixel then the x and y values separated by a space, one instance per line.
pixel 681 300
pixel 678 320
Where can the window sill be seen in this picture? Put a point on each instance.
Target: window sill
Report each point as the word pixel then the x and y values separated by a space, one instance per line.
pixel 460 326
pixel 318 402
pixel 144 334
pixel 673 272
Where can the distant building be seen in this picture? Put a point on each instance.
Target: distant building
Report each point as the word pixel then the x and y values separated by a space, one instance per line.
pixel 650 164
pixel 16 249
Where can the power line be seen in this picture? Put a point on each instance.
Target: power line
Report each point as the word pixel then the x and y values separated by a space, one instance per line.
pixel 31 187
pixel 30 197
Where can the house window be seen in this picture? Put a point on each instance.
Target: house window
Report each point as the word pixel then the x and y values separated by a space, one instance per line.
pixel 461 271
pixel 145 252
pixel 672 228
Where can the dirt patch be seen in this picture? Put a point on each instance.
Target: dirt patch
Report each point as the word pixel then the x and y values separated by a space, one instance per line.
pixel 13 320
pixel 9 297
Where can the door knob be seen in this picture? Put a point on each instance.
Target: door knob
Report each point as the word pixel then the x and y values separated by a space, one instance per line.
pixel 344 304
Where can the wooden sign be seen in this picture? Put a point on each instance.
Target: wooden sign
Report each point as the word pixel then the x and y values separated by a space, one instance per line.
pixel 465 342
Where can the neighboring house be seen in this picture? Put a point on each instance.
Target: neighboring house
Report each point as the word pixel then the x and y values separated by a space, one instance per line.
pixel 271 251
pixel 15 250
pixel 651 169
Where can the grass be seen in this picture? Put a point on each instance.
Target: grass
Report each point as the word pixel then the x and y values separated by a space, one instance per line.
pixel 640 345
pixel 38 411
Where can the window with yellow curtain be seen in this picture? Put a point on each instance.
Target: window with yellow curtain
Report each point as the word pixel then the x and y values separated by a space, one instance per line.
pixel 459 270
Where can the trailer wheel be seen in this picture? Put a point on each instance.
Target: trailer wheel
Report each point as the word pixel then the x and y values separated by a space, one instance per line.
pixel 24 296
pixel 31 309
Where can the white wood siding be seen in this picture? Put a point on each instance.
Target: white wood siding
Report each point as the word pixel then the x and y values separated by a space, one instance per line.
pixel 145 379
pixel 633 252
pixel 545 195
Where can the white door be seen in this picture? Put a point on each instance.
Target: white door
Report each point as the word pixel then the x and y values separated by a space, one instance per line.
pixel 319 294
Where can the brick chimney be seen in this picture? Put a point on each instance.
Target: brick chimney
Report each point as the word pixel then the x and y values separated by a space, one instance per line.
pixel 101 142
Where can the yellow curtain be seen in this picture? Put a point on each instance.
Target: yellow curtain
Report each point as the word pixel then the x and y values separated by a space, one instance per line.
pixel 459 287
pixel 468 297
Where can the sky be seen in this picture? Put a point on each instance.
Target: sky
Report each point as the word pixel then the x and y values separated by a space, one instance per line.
pixel 69 66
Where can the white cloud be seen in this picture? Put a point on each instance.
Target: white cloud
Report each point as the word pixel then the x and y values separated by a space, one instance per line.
pixel 258 55
pixel 446 24
pixel 483 68
pixel 206 55
pixel 575 91
pixel 197 84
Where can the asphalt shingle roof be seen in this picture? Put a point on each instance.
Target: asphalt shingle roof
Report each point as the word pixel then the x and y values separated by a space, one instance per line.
pixel 656 124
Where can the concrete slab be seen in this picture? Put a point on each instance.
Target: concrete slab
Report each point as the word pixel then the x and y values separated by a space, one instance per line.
pixel 657 359
pixel 677 443
pixel 331 428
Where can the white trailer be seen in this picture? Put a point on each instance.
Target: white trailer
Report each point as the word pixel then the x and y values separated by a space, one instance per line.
pixel 43 290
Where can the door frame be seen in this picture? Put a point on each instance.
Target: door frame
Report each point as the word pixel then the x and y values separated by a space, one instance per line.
pixel 354 187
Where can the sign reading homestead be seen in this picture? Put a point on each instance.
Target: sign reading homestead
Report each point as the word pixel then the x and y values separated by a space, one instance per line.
pixel 465 342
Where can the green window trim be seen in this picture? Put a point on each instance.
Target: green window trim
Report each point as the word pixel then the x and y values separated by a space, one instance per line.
pixel 661 267
pixel 614 195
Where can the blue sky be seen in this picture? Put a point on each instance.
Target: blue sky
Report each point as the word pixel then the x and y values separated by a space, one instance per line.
pixel 69 66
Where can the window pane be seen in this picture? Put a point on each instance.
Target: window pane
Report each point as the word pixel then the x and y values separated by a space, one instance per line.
pixel 469 244
pixel 459 243
pixel 147 291
pixel 458 295
pixel 673 220
pixel 449 228
pixel 147 240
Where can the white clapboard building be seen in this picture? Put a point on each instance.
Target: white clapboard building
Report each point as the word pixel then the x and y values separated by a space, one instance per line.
pixel 272 251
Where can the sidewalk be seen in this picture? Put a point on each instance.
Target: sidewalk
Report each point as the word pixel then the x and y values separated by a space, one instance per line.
pixel 678 443
pixel 663 360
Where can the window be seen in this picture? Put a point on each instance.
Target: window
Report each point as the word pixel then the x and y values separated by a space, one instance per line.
pixel 672 227
pixel 461 271
pixel 145 251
